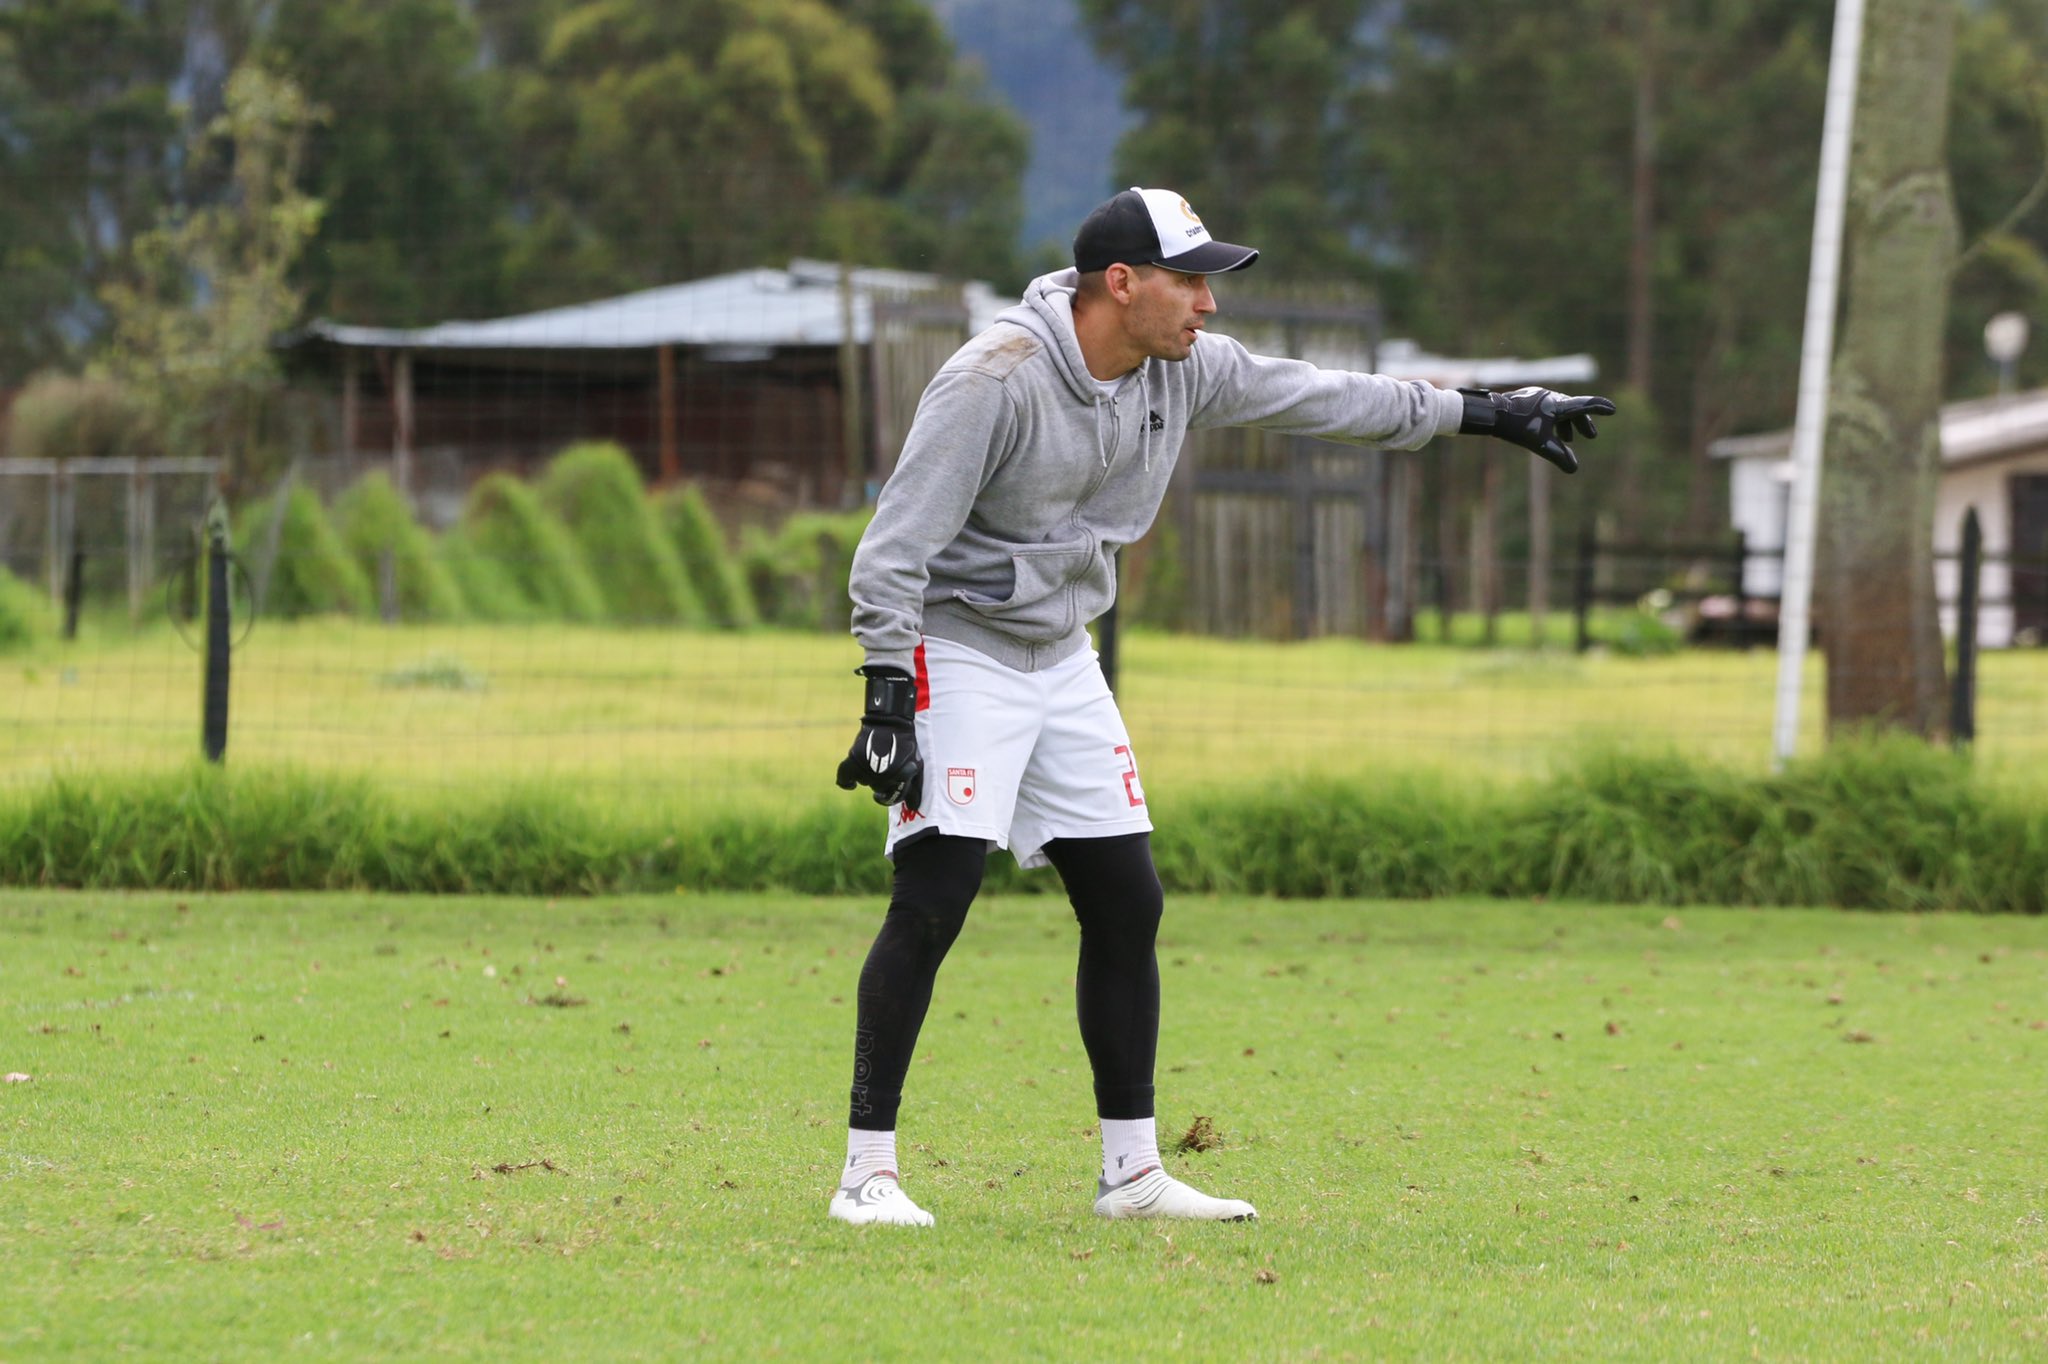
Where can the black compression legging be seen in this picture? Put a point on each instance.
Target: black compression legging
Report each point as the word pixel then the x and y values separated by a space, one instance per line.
pixel 1117 900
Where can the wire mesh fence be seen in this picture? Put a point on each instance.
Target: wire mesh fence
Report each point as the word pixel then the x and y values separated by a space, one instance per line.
pixel 649 707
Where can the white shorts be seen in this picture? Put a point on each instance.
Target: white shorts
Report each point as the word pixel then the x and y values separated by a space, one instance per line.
pixel 1019 759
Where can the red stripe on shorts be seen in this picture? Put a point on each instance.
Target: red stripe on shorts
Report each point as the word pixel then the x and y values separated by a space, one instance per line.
pixel 924 681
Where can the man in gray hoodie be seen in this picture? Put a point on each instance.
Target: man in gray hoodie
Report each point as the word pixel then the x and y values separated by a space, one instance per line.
pixel 1042 447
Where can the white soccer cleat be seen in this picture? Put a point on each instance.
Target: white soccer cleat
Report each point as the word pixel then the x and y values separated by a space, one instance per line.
pixel 1155 1193
pixel 878 1199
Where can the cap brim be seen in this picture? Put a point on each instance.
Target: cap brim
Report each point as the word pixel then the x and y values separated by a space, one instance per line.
pixel 1210 258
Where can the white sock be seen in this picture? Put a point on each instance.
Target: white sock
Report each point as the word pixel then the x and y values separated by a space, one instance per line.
pixel 867 1152
pixel 1129 1147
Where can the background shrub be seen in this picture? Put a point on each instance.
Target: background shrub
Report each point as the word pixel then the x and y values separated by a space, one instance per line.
pixel 798 574
pixel 373 518
pixel 713 571
pixel 516 560
pixel 1642 633
pixel 595 489
pixel 61 416
pixel 26 615
pixel 311 572
pixel 488 589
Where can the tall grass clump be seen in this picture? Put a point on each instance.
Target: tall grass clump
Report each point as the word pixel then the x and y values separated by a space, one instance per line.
pixel 310 572
pixel 516 560
pixel 1884 823
pixel 374 520
pixel 1888 825
pixel 714 573
pixel 214 828
pixel 595 489
pixel 799 573
pixel 26 615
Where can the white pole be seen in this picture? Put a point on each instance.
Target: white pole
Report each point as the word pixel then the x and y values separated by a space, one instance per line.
pixel 1816 352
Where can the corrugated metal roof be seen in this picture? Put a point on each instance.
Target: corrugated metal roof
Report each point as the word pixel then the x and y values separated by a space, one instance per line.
pixel 1973 430
pixel 799 306
pixel 1401 359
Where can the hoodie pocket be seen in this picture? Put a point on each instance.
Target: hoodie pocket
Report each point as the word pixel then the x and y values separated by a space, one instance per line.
pixel 1041 601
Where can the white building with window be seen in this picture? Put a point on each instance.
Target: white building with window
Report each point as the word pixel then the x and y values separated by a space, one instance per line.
pixel 1994 457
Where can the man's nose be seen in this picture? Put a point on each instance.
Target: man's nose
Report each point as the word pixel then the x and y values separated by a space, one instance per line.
pixel 1205 301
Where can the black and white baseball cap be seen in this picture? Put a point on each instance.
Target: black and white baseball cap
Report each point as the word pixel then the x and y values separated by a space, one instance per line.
pixel 1153 227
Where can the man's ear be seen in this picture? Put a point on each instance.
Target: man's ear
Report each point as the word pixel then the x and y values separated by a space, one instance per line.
pixel 1120 281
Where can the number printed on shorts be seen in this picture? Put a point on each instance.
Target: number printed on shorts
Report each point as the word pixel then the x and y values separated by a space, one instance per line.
pixel 1132 789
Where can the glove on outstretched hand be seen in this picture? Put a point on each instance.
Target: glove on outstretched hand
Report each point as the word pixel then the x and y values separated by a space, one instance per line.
pixel 884 757
pixel 1534 418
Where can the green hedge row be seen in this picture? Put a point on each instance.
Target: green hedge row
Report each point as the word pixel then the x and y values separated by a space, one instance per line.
pixel 585 543
pixel 1881 826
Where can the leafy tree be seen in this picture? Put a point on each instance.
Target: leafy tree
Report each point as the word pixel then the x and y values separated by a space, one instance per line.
pixel 659 140
pixel 947 195
pixel 1507 163
pixel 1633 178
pixel 86 127
pixel 1998 161
pixel 209 289
pixel 412 168
pixel 1242 109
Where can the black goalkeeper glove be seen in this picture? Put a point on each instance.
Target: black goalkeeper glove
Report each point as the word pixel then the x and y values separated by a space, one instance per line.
pixel 884 757
pixel 1534 418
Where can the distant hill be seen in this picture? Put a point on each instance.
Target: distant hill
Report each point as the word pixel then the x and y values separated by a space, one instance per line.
pixel 1042 65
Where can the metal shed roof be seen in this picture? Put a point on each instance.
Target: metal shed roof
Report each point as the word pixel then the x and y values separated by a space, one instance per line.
pixel 799 306
pixel 1972 431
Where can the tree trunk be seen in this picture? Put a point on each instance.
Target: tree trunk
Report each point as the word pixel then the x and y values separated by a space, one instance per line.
pixel 1876 554
pixel 1643 206
pixel 1640 450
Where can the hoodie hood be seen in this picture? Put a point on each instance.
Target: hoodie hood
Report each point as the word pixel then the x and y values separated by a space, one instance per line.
pixel 1047 312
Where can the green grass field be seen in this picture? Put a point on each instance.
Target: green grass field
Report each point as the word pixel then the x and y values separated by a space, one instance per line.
pixel 688 719
pixel 356 1128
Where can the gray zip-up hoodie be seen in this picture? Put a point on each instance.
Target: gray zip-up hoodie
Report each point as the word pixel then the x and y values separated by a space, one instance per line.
pixel 1021 478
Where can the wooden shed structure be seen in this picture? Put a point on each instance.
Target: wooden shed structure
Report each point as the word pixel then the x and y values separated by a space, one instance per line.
pixel 774 375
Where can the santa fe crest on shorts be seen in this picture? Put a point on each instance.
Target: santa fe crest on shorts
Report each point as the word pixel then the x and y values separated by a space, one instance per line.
pixel 960 785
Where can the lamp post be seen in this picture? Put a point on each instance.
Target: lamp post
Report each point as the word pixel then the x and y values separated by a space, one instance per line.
pixel 2005 337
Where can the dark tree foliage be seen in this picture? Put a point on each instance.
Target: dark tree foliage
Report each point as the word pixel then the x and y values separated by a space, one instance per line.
pixel 410 162
pixel 1484 163
pixel 88 140
pixel 1243 108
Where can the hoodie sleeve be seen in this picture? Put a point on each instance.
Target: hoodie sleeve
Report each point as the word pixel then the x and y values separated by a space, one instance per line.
pixel 966 423
pixel 1238 388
